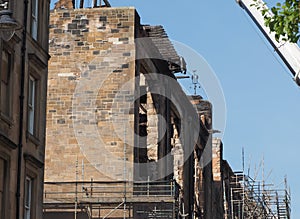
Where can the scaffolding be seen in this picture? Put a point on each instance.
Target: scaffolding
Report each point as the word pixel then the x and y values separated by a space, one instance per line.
pixel 103 199
pixel 250 198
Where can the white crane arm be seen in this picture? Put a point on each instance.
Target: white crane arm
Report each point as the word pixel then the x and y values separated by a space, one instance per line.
pixel 288 52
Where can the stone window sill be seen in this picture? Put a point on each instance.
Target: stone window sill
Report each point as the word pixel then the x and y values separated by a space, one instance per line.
pixel 33 139
pixel 7 119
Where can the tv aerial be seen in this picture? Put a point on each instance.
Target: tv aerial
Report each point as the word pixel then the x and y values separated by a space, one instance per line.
pixel 195 82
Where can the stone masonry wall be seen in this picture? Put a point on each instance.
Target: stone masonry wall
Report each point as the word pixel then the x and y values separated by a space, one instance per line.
pixel 89 110
pixel 217 159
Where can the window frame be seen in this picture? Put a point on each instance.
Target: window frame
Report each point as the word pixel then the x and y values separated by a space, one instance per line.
pixel 37 70
pixel 32 105
pixel 34 19
pixel 7 116
pixel 34 133
pixel 33 172
pixel 28 196
pixel 5 197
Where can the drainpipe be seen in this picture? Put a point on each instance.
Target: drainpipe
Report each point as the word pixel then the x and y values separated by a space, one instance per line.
pixel 21 126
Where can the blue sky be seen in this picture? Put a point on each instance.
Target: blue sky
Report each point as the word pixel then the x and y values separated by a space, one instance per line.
pixel 263 103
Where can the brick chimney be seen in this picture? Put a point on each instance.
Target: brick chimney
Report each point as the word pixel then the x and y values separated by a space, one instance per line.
pixel 66 4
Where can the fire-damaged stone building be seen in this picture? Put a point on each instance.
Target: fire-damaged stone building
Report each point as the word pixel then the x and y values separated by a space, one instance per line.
pixel 123 140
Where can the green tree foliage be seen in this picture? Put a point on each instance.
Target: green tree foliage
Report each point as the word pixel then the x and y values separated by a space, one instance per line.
pixel 284 20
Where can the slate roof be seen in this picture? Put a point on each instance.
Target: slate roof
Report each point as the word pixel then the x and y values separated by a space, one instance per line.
pixel 165 47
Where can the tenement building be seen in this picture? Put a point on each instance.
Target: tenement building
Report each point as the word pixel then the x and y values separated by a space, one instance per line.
pixel 23 63
pixel 122 136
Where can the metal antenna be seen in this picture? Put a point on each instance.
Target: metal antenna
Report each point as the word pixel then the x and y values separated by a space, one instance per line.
pixel 243 159
pixel 76 191
pixel 195 81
